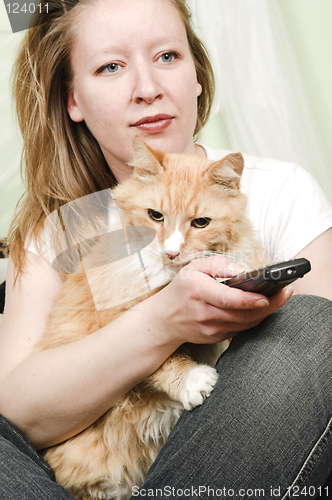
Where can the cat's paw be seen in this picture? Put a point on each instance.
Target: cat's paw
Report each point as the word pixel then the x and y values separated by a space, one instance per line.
pixel 197 386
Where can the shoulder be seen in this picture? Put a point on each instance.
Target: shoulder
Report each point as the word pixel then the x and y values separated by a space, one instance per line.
pixel 41 246
pixel 280 178
pixel 266 171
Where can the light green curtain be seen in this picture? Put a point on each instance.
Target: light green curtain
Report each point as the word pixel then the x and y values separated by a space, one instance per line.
pixel 261 96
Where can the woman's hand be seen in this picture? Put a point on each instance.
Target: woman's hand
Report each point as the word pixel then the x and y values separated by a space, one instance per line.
pixel 196 308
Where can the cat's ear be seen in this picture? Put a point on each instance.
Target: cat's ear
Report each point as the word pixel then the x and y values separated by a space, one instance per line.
pixel 227 172
pixel 146 161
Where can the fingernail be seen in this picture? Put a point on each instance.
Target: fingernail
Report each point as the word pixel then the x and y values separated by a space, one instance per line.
pixel 262 303
pixel 236 268
pixel 289 292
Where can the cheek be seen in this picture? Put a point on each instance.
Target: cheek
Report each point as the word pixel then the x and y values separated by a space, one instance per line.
pixel 97 103
pixel 102 115
pixel 185 87
pixel 159 228
pixel 195 242
pixel 199 240
pixel 100 111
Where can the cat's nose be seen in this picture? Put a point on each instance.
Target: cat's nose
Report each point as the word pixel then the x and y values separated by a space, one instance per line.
pixel 172 255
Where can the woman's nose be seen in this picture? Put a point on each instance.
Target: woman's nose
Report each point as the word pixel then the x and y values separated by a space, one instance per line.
pixel 146 86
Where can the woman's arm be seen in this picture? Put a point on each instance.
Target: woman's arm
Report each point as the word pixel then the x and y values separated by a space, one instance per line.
pixel 54 394
pixel 319 280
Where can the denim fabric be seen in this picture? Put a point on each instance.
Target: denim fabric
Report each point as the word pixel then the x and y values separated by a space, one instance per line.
pixel 24 474
pixel 265 431
pixel 268 421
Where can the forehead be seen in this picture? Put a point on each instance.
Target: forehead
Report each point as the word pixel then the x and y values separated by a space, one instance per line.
pixel 105 26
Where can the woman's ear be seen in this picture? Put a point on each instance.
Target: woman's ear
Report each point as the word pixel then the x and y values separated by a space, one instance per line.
pixel 199 89
pixel 72 107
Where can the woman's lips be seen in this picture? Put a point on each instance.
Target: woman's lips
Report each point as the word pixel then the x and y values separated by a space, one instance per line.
pixel 154 123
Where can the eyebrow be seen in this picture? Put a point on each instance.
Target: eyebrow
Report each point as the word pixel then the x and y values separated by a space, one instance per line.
pixel 107 49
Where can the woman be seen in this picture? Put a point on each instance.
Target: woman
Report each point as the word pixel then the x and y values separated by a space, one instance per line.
pixel 90 77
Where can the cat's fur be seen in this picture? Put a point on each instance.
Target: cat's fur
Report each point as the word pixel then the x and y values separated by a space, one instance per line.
pixel 112 455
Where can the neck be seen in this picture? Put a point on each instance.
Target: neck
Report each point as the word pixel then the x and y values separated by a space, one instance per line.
pixel 122 171
pixel 200 151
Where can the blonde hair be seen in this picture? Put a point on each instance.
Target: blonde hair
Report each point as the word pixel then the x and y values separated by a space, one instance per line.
pixel 62 160
pixel 202 64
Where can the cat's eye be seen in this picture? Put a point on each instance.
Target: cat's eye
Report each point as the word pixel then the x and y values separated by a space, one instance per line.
pixel 155 215
pixel 201 222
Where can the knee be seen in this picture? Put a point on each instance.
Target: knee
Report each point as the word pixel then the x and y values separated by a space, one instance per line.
pixel 290 348
pixel 286 361
pixel 306 320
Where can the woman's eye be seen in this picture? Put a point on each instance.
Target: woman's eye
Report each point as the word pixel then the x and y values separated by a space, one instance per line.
pixel 168 57
pixel 155 215
pixel 110 68
pixel 201 222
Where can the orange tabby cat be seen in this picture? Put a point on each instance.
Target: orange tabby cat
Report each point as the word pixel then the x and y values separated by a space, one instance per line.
pixel 196 208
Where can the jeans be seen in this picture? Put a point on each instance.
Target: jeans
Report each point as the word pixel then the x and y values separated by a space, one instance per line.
pixel 265 431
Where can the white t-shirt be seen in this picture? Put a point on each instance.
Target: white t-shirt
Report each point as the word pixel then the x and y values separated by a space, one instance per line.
pixel 286 206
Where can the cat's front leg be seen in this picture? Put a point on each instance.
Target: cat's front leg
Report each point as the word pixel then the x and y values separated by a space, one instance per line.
pixel 184 380
pixel 197 385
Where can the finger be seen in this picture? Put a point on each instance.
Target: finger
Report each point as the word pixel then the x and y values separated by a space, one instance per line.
pixel 233 329
pixel 276 302
pixel 225 331
pixel 235 321
pixel 237 306
pixel 280 298
pixel 224 297
pixel 216 266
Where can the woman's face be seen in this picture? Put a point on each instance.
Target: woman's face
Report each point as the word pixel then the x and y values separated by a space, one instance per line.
pixel 134 75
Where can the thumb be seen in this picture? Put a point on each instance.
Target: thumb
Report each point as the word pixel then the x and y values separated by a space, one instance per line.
pixel 216 266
